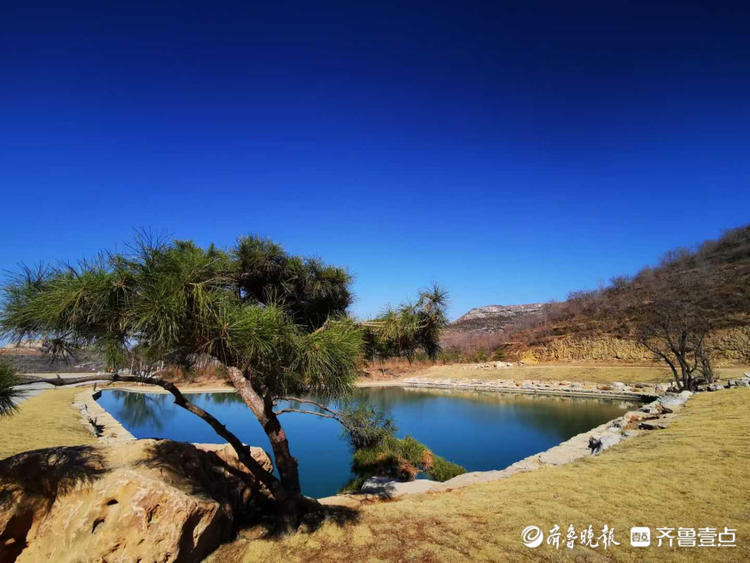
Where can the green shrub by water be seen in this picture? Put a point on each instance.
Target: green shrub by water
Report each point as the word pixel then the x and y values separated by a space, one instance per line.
pixel 402 459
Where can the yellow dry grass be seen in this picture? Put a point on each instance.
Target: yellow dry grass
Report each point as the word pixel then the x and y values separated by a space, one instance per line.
pixel 693 474
pixel 46 420
pixel 567 372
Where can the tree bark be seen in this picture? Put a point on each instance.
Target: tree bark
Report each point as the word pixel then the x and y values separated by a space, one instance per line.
pixel 286 464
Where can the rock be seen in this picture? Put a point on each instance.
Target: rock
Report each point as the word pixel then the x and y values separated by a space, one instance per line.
pixel 619 385
pixel 632 416
pixel 387 487
pixel 654 407
pixel 663 387
pixel 715 387
pixel 672 400
pixel 652 425
pixel 149 500
pixel 576 448
pixel 227 454
pixel 375 484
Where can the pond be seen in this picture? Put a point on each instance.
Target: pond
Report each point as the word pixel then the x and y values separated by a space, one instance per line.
pixel 479 430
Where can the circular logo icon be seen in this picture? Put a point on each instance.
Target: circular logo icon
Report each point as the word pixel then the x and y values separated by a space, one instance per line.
pixel 532 536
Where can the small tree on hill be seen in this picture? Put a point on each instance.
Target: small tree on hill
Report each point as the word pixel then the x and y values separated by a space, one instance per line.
pixel 673 325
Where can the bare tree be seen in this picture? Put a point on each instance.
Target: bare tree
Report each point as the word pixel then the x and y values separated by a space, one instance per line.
pixel 675 328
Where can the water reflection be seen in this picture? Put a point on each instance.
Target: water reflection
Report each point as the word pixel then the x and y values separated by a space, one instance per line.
pixel 479 430
pixel 144 409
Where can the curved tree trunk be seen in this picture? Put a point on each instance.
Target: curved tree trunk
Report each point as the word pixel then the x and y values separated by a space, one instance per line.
pixel 294 502
pixel 286 490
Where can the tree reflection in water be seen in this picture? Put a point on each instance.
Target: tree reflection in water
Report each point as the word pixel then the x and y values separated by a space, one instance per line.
pixel 141 409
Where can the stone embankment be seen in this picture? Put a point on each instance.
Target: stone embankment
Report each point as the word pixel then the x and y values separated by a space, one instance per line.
pixel 98 420
pixel 654 415
pixel 616 390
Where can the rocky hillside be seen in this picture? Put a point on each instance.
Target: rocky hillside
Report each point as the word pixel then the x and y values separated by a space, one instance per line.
pixel 492 318
pixel 599 324
pixel 490 322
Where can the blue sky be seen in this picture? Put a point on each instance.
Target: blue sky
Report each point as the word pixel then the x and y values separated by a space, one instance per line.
pixel 510 151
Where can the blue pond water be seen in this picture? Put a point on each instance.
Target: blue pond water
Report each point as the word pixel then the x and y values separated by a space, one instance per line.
pixel 480 431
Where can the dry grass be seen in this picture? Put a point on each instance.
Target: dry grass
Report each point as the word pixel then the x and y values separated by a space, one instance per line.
pixel 693 474
pixel 46 420
pixel 567 372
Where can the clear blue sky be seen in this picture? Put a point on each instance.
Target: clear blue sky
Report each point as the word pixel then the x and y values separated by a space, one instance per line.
pixel 510 151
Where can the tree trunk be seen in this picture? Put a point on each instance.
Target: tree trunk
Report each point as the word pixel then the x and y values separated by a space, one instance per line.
pixel 293 504
pixel 243 454
pixel 286 491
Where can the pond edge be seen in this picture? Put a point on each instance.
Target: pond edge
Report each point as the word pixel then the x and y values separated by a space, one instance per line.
pixel 656 414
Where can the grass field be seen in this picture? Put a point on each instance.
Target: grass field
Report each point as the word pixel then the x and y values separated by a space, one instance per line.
pixel 693 474
pixel 43 421
pixel 566 372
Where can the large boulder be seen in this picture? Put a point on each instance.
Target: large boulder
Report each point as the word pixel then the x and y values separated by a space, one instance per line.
pixel 147 500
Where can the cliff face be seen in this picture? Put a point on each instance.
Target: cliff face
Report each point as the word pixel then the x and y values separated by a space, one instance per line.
pixel 488 323
pixel 730 346
pixel 493 317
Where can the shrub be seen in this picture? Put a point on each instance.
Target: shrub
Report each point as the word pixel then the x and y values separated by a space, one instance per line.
pixel 442 469
pixel 8 389
pixel 478 356
pixel 402 459
pixel 498 355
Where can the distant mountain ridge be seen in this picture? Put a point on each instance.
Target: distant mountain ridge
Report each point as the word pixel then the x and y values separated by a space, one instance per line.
pixel 483 327
pixel 493 317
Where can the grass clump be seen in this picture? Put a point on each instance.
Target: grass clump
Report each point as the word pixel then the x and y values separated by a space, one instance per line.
pixel 404 459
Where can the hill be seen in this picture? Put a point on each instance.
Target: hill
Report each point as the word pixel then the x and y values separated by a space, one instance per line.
pixel 599 324
pixel 29 357
pixel 480 327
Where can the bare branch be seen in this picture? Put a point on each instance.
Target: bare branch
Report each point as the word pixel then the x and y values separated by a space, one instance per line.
pixel 310 402
pixel 316 413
